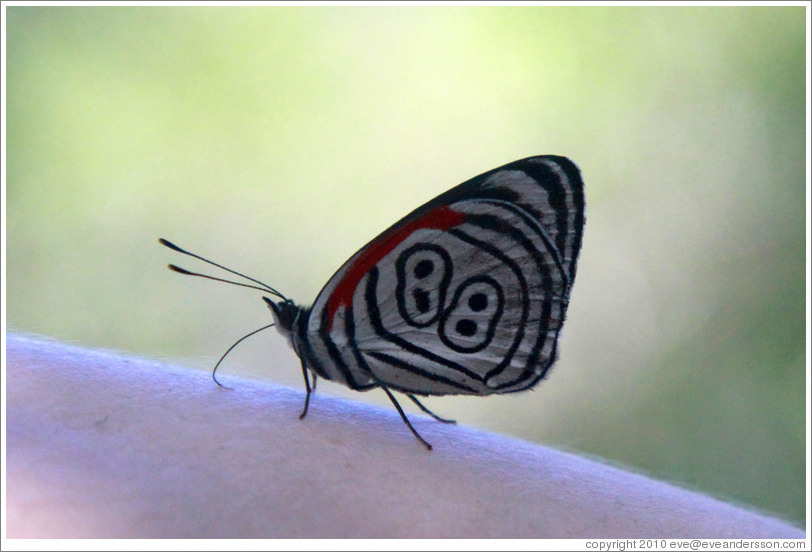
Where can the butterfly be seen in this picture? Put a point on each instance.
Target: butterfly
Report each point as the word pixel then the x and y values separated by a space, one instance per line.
pixel 466 295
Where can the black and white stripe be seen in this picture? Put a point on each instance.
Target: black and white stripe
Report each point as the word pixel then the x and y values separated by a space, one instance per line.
pixel 474 309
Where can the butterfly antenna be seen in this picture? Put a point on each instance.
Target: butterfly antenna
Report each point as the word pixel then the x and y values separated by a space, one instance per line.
pixel 265 287
pixel 240 340
pixel 185 272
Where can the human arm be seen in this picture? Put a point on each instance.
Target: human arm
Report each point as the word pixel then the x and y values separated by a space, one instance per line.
pixel 105 445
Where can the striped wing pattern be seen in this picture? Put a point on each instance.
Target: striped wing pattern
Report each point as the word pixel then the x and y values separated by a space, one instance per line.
pixel 465 295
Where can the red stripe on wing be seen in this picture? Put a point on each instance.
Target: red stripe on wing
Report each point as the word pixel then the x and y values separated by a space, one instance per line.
pixel 441 218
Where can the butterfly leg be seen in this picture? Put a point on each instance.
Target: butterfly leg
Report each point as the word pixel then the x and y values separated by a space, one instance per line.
pixel 403 416
pixel 429 412
pixel 310 389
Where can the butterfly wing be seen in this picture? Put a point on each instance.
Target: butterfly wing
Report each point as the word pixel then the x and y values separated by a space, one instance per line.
pixel 465 295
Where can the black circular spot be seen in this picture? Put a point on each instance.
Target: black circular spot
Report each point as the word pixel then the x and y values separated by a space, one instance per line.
pixel 423 268
pixel 422 300
pixel 466 327
pixel 478 302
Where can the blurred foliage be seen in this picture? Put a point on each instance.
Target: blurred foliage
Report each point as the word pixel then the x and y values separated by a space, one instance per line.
pixel 278 140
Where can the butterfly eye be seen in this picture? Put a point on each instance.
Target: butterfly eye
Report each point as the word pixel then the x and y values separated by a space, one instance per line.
pixel 423 272
pixel 470 322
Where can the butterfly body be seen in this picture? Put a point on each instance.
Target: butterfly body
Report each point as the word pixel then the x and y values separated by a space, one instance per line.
pixel 465 295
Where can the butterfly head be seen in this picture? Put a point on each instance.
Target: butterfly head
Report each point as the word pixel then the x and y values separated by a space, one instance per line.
pixel 288 317
pixel 284 313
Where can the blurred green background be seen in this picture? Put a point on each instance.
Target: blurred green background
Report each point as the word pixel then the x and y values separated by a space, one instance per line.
pixel 279 140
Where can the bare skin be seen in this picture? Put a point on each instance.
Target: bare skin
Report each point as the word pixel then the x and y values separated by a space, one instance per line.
pixel 100 445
